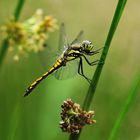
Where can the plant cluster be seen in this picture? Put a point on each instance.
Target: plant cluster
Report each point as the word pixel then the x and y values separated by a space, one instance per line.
pixel 74 118
pixel 29 35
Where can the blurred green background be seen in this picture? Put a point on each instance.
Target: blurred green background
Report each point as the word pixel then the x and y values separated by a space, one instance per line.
pixel 37 116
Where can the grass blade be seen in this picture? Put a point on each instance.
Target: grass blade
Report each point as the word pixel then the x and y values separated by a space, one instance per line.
pixel 125 108
pixel 92 88
pixel 96 76
pixel 4 47
pixel 18 9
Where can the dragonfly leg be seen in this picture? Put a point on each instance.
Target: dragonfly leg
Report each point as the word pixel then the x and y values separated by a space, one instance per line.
pixel 80 70
pixel 91 63
pixel 96 51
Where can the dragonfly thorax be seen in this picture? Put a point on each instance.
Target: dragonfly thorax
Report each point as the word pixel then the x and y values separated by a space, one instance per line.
pixel 86 46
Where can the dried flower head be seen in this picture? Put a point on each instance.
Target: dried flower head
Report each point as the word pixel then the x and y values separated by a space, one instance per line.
pixel 74 118
pixel 29 35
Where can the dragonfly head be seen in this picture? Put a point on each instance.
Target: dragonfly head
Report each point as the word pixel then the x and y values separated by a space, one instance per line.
pixel 87 45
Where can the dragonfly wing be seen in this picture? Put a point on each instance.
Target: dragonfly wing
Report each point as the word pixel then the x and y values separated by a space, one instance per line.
pixel 63 42
pixel 79 38
pixel 68 71
pixel 47 57
pixel 71 68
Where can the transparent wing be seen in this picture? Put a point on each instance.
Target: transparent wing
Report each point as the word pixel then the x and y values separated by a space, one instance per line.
pixel 71 68
pixel 63 42
pixel 79 38
pixel 49 55
pixel 64 72
pixel 68 71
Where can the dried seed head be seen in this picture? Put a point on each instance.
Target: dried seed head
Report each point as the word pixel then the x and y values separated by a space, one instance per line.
pixel 74 118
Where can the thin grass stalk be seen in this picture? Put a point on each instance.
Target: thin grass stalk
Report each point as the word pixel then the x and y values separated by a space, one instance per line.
pixel 18 9
pixel 96 76
pixel 4 47
pixel 3 50
pixel 92 88
pixel 128 103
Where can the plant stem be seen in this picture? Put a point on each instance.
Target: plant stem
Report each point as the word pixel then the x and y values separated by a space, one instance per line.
pixel 18 9
pixel 3 50
pixel 131 95
pixel 74 136
pixel 96 76
pixel 4 47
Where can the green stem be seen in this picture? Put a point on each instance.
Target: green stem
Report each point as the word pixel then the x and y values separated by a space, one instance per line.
pixel 96 76
pixel 4 47
pixel 18 9
pixel 127 105
pixel 3 50
pixel 74 136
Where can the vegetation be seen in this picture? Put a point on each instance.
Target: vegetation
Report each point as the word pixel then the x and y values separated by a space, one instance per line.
pixel 115 103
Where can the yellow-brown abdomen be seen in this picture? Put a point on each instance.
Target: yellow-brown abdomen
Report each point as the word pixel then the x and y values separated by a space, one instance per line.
pixel 38 80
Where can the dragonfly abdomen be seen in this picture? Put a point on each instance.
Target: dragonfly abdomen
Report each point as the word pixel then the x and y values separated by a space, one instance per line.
pixel 58 64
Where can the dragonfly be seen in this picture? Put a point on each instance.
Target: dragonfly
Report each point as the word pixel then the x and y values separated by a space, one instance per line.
pixel 76 50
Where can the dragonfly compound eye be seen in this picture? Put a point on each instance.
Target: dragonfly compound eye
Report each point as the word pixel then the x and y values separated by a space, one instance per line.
pixel 87 45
